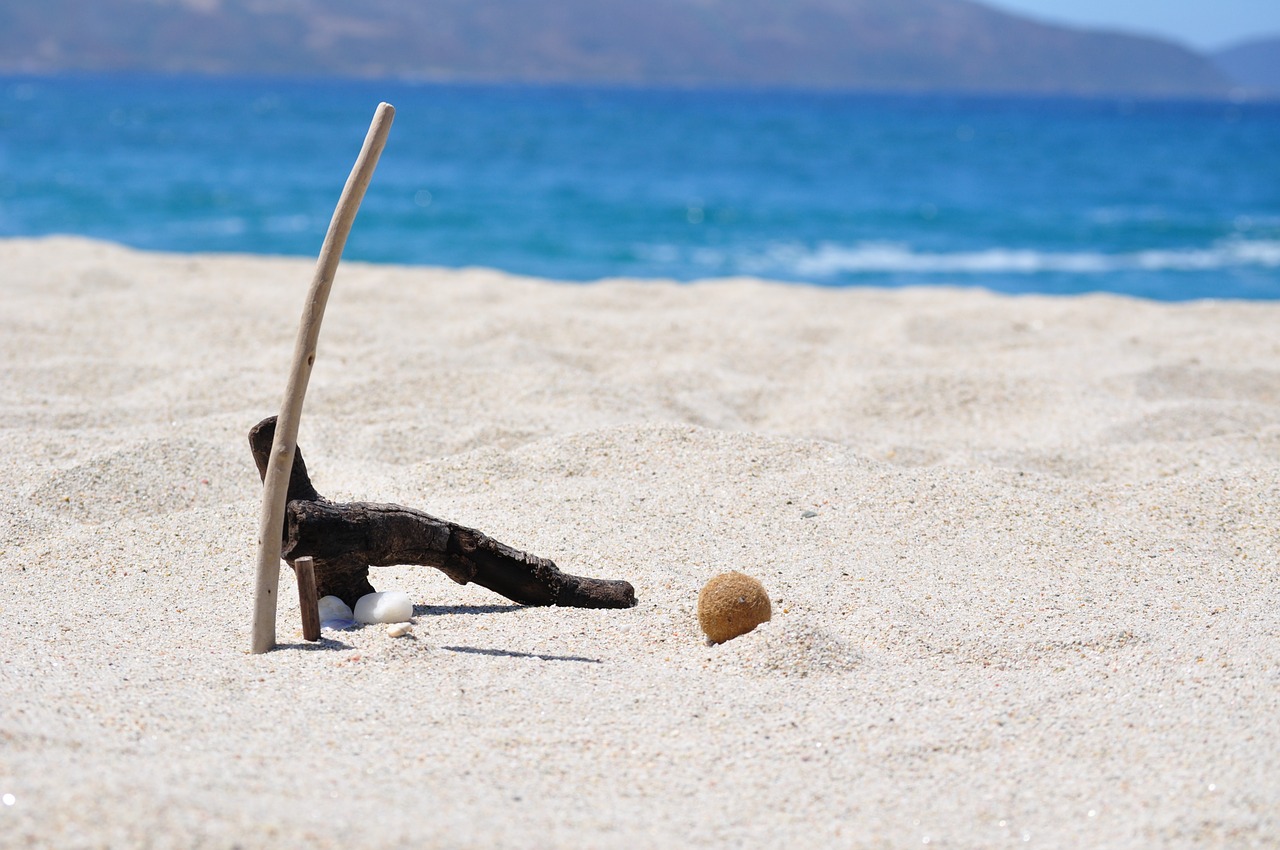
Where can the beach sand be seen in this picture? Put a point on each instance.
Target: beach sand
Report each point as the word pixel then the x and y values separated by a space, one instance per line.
pixel 1022 554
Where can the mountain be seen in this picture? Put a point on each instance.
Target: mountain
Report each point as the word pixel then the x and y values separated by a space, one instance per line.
pixel 890 45
pixel 1252 65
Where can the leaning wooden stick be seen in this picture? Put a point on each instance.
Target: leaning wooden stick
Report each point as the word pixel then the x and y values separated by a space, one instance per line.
pixel 276 480
pixel 346 539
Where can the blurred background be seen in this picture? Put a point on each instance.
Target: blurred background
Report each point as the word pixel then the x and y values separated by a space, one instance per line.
pixel 1022 145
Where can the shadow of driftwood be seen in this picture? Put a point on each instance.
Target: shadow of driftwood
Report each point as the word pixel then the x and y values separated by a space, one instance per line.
pixel 506 653
pixel 438 610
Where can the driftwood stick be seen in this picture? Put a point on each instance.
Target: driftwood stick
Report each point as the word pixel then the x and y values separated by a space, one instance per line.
pixel 276 477
pixel 308 599
pixel 345 539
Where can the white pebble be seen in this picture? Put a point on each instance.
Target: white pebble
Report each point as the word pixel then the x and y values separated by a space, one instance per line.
pixel 334 614
pixel 391 606
pixel 399 629
pixel 333 608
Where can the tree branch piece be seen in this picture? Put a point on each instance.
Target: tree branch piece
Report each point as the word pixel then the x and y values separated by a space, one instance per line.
pixel 345 539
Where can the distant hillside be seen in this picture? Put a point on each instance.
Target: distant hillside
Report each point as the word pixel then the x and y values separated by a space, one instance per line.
pixel 1253 65
pixel 851 44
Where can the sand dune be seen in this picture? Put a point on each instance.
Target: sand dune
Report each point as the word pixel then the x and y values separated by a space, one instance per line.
pixel 1022 554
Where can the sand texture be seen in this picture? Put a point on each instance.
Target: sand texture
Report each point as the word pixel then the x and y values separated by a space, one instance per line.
pixel 1022 554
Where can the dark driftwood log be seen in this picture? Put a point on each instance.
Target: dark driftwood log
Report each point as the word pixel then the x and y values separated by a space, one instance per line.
pixel 345 539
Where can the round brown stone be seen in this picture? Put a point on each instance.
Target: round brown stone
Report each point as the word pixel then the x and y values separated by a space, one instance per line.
pixel 732 604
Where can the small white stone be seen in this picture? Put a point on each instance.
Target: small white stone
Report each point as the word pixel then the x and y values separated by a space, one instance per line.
pixel 333 608
pixel 391 606
pixel 399 629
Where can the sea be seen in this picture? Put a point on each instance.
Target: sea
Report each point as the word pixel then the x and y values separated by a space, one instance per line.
pixel 1168 200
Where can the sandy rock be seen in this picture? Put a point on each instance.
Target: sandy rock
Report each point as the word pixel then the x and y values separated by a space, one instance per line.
pixel 732 604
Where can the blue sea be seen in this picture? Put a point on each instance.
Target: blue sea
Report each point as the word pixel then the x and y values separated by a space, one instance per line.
pixel 1165 200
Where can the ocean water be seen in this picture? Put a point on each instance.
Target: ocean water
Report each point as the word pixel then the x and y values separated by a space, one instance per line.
pixel 1165 200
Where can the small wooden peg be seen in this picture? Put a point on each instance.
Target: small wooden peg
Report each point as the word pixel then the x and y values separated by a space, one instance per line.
pixel 307 599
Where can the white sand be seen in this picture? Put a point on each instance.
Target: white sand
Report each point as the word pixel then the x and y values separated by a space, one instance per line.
pixel 1038 605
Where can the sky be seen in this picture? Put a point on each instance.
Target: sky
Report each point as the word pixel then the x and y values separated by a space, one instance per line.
pixel 1202 24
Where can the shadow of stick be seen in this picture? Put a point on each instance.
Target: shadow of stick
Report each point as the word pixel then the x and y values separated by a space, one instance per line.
pixel 507 653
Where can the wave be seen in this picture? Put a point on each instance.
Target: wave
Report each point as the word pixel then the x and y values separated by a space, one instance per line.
pixel 831 260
